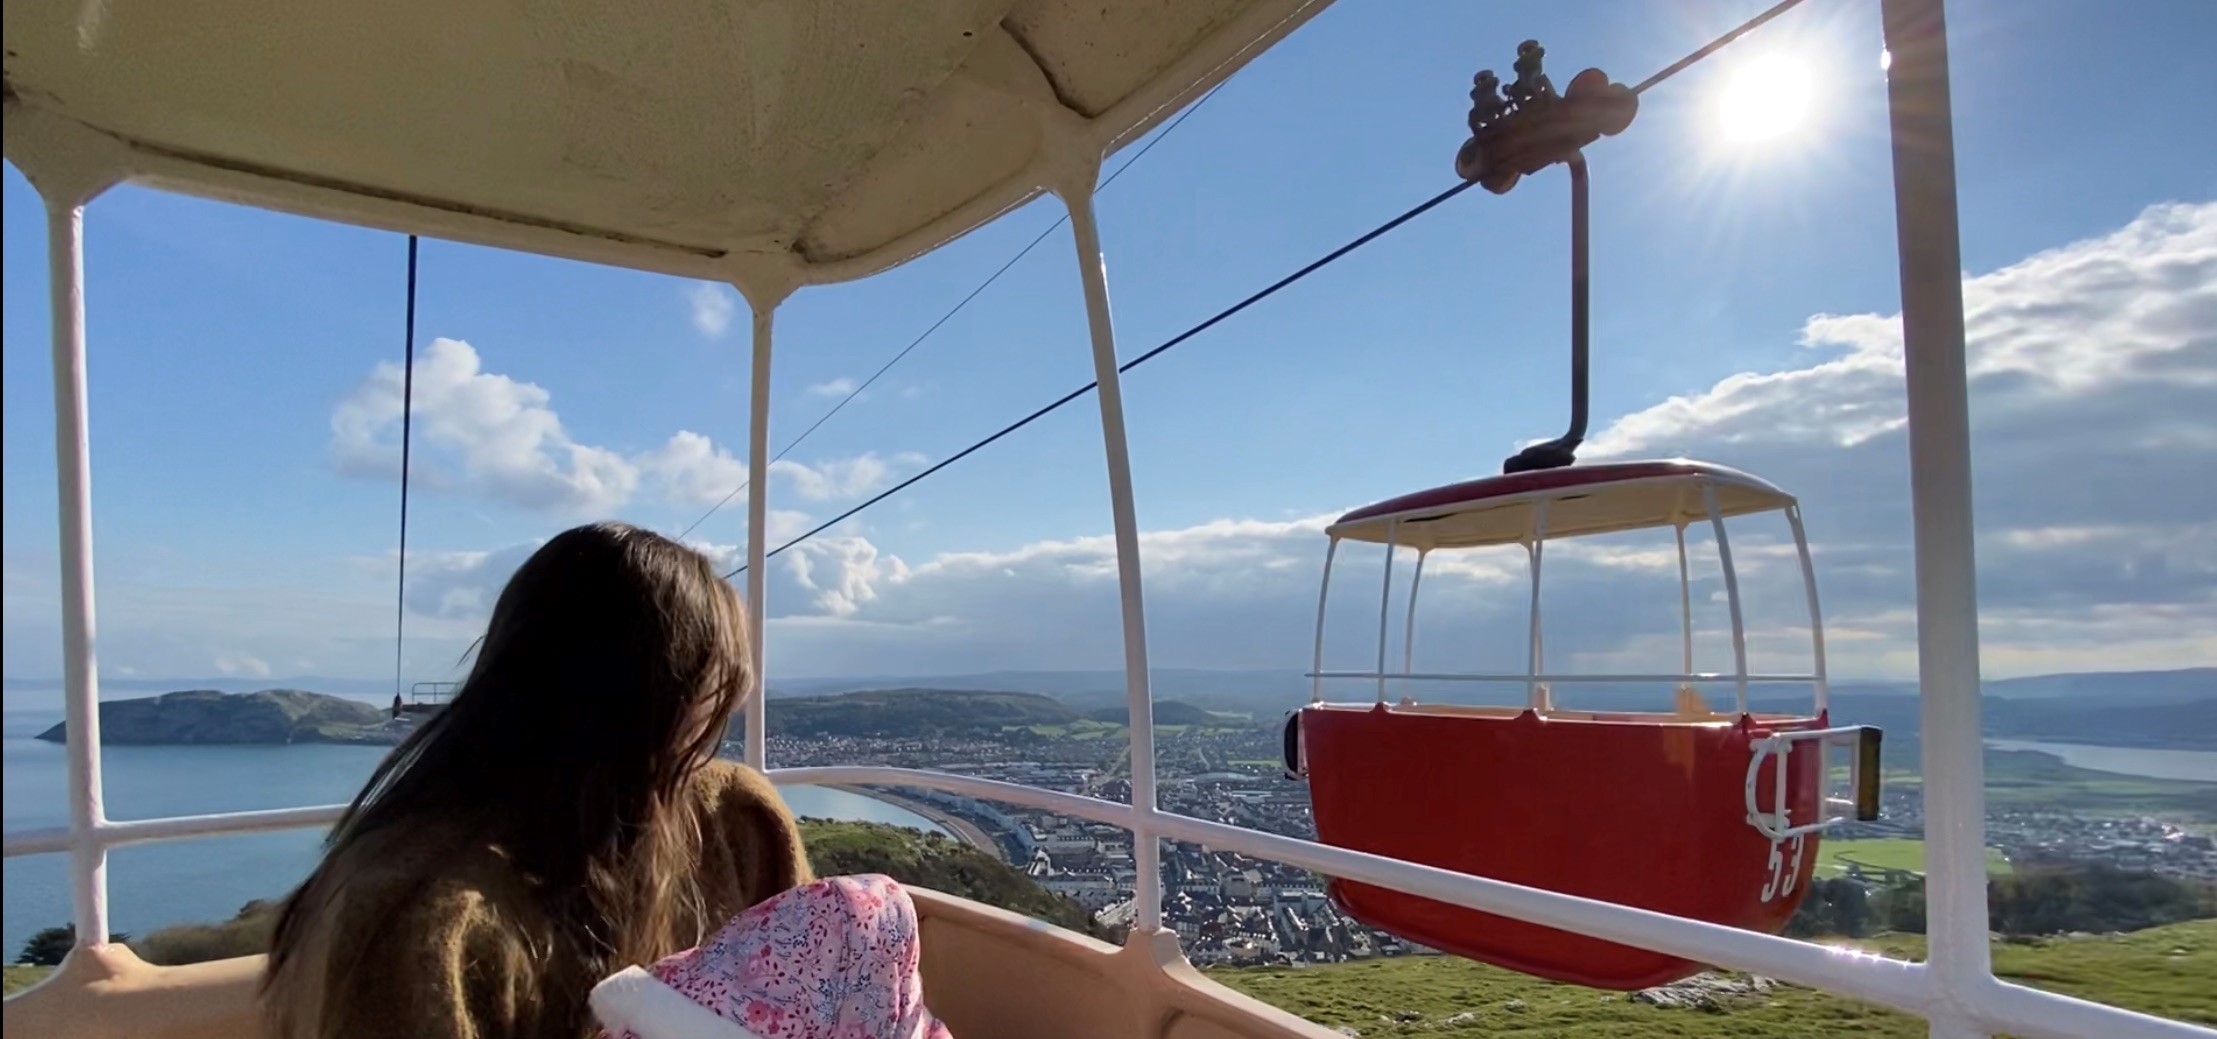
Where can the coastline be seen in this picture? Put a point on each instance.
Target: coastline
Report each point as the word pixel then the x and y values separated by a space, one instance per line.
pixel 963 829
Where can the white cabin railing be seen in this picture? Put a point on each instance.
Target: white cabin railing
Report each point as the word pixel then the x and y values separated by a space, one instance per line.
pixel 1912 987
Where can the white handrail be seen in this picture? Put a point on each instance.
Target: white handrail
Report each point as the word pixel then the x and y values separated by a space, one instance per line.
pixel 1902 985
pixel 1480 676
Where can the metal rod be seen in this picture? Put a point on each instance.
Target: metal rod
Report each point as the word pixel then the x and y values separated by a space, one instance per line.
pixel 1581 327
pixel 1534 697
pixel 1563 450
pixel 758 530
pixel 407 437
pixel 1092 271
pixel 1323 598
pixel 65 240
pixel 1408 625
pixel 1816 614
pixel 1731 592
pixel 1923 142
pixel 1685 604
pixel 1385 607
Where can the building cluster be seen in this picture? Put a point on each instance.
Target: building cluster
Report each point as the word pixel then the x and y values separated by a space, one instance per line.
pixel 1227 908
pixel 1231 909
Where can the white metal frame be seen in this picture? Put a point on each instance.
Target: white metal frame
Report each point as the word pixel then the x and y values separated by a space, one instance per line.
pixel 1536 679
pixel 1954 989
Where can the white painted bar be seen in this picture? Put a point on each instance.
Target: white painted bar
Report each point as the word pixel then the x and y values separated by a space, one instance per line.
pixel 1921 126
pixel 1533 548
pixel 1660 676
pixel 1408 630
pixel 1323 599
pixel 1816 614
pixel 1385 605
pixel 1138 697
pixel 758 530
pixel 88 873
pixel 1731 594
pixel 1685 603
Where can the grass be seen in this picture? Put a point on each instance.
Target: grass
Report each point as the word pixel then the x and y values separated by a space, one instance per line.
pixel 21 976
pixel 2162 970
pixel 1884 853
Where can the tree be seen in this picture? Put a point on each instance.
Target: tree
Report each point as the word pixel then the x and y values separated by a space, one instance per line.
pixel 47 947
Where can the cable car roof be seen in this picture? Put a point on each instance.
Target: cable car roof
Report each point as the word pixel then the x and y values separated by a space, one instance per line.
pixel 1582 499
pixel 800 141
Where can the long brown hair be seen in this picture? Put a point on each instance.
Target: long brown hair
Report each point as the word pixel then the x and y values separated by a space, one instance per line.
pixel 608 671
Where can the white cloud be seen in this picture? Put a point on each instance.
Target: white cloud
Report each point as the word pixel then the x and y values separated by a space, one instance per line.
pixel 488 434
pixel 713 306
pixel 499 433
pixel 838 387
pixel 240 665
pixel 693 471
pixel 2091 371
pixel 842 478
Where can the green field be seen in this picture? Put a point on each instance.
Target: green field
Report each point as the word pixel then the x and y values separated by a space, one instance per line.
pixel 2162 970
pixel 1895 853
pixel 20 977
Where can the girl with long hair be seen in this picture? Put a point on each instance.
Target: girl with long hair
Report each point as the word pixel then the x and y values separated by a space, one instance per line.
pixel 563 818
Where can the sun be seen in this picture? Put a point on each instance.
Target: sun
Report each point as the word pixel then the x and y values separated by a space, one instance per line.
pixel 1764 98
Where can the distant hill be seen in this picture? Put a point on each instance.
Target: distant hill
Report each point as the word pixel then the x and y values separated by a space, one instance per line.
pixel 1267 693
pixel 913 712
pixel 207 716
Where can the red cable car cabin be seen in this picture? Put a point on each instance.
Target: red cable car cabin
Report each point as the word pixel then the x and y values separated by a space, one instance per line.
pixel 1697 813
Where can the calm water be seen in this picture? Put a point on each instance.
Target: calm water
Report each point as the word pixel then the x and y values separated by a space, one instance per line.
pixel 2197 765
pixel 155 885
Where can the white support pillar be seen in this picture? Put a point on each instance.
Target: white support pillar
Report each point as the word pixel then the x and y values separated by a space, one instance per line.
pixel 758 529
pixel 1323 599
pixel 1385 604
pixel 88 867
pixel 1408 623
pixel 1685 605
pixel 1923 133
pixel 1731 596
pixel 1077 195
pixel 1536 696
pixel 1823 689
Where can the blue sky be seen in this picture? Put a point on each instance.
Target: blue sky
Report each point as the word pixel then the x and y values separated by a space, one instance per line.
pixel 246 524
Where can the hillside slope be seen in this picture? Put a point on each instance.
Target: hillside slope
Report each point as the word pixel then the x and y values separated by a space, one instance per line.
pixel 912 712
pixel 2162 970
pixel 207 716
pixel 931 860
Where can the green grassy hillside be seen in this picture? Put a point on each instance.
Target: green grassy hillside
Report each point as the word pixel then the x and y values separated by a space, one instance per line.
pixel 912 712
pixel 2162 970
pixel 20 977
pixel 933 861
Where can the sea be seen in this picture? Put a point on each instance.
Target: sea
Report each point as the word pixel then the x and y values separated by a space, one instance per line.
pixel 2199 766
pixel 209 878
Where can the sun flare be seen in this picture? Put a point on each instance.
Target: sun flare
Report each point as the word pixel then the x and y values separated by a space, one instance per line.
pixel 1764 98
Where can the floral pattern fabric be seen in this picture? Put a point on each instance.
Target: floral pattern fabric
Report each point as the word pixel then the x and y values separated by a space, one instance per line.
pixel 835 959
